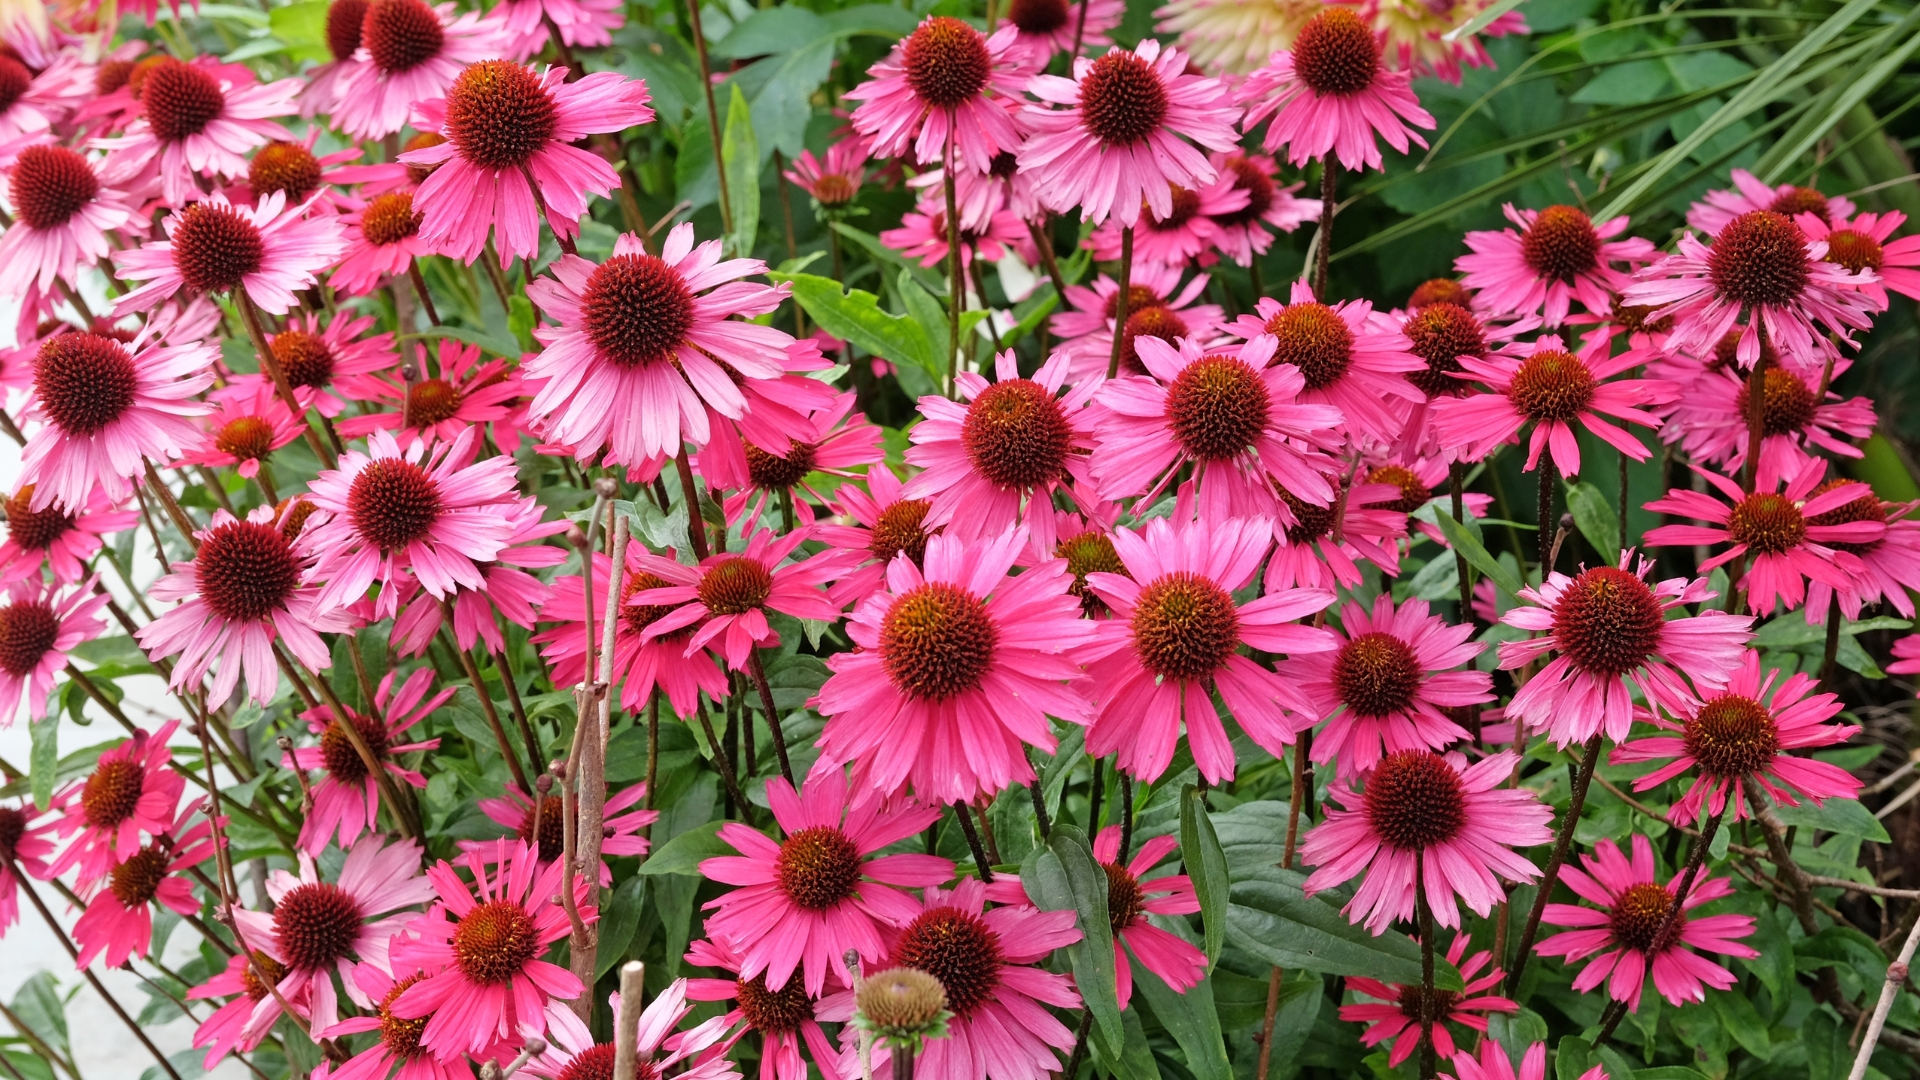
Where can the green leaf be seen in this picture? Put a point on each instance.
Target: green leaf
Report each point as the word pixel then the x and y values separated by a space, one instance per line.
pixel 303 27
pixel 1063 876
pixel 43 760
pixel 1741 1021
pixel 1594 516
pixel 1135 1060
pixel 1844 816
pixel 39 1005
pixel 856 317
pixel 1189 1017
pixel 931 316
pixel 1635 82
pixel 618 920
pixel 684 853
pixel 248 714
pixel 1206 866
pixel 1572 1057
pixel 1477 554
pixel 930 281
pixel 740 155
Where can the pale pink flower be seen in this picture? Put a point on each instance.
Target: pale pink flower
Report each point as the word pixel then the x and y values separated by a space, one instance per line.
pixel 1462 821
pixel 801 904
pixel 1559 255
pixel 409 52
pixel 1157 306
pixel 270 250
pixel 34 104
pixel 1245 232
pixel 318 928
pixel 509 160
pixel 1623 932
pixel 25 846
pixel 1351 357
pixel 61 217
pixel 322 90
pixel 945 84
pixel 1709 421
pixel 1175 636
pixel 1419 36
pixel 1388 683
pixel 346 801
pixel 105 408
pixel 1182 234
pixel 1747 732
pixel 38 629
pixel 434 514
pixel 727 597
pixel 1608 625
pixel 581 23
pixel 1720 206
pixel 193 125
pixel 835 181
pixel 957 667
pixel 1775 529
pixel 1890 566
pixel 655 330
pixel 1330 93
pixel 1120 141
pixel 510 592
pixel 55 539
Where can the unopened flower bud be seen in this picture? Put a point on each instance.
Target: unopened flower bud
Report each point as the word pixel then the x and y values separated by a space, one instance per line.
pixel 903 1003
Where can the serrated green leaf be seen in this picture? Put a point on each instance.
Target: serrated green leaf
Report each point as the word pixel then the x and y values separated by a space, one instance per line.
pixel 1206 866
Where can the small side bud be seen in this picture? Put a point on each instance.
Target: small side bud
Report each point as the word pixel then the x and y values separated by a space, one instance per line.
pixel 902 1007
pixel 606 487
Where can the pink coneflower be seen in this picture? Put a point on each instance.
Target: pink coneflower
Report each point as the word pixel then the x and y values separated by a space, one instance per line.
pixel 486 975
pixel 884 523
pixel 1351 357
pixel 322 90
pixel 957 668
pixel 581 23
pixel 727 597
pixel 1322 547
pixel 106 406
pixel 1181 235
pixel 834 182
pixel 508 161
pixel 1420 482
pixel 543 826
pixel 1330 93
pixel 240 595
pixel 24 845
pixel 1418 804
pixel 247 425
pixel 317 928
pixel 1890 566
pixel 1710 420
pixel 1243 233
pixel 803 903
pixel 1157 306
pixel 383 239
pixel 641 665
pixel 399 1040
pixel 193 125
pixel 118 921
pixel 1494 1063
pixel 269 251
pixel 34 101
pixel 1607 625
pixel 510 591
pixel 638 328
pixel 572 1054
pixel 1418 36
pixel 1176 634
pixel 1054 26
pixel 61 217
pixel 1776 530
pixel 436 514
pixel 984 959
pixel 1547 385
pixel 291 168
pixel 946 82
pixel 409 52
pixel 1720 206
pixel 923 236
pixel 995 458
pixel 38 628
pixel 444 398
pixel 56 539
pixel 1861 244
pixel 1559 255
pixel 1625 931
pixel 132 790
pixel 1762 266
pixel 784 1018
pixel 1120 143
pixel 1229 412
pixel 346 801
pixel 1404 1014
pixel 312 357
pixel 833 446
pixel 1130 899
pixel 1746 732
pixel 1388 684
pixel 231 1027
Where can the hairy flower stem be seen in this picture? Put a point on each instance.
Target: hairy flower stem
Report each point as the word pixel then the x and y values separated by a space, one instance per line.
pixel 1832 652
pixel 1323 250
pixel 758 670
pixel 713 113
pixel 1429 1054
pixel 1549 480
pixel 1266 1024
pixel 1581 781
pixel 271 365
pixel 1696 858
pixel 980 860
pixel 696 528
pixel 1120 301
pixel 956 278
pixel 1296 799
pixel 486 707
